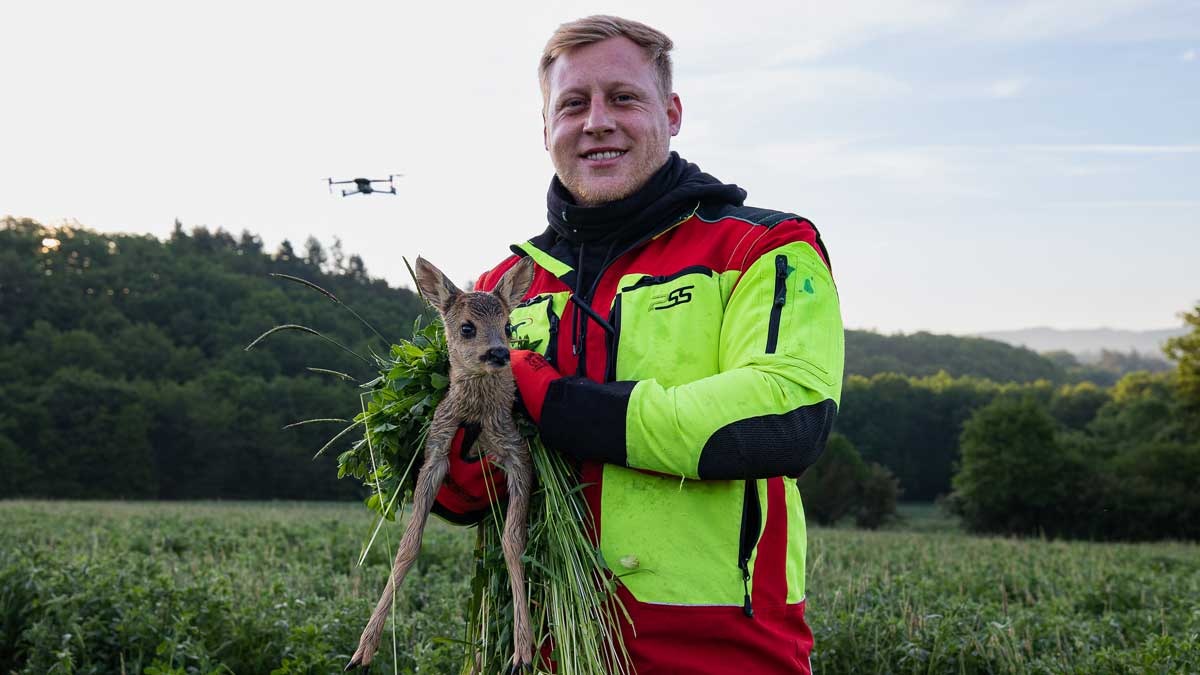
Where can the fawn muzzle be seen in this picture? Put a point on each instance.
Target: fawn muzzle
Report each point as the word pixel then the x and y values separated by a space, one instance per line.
pixel 496 356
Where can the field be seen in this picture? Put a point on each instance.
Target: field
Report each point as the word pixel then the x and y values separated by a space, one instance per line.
pixel 110 587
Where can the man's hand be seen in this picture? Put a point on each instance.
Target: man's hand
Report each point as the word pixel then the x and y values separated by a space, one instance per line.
pixel 472 483
pixel 533 374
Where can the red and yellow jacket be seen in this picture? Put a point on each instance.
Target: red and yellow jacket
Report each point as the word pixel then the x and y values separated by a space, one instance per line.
pixel 712 370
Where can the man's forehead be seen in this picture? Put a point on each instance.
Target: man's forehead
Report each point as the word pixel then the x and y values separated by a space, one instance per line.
pixel 612 62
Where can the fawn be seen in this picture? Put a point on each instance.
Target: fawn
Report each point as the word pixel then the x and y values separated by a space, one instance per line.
pixel 482 391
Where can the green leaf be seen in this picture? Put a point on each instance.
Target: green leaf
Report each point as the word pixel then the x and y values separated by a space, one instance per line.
pixel 439 381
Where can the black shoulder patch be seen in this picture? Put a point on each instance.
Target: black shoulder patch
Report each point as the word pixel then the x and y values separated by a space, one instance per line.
pixel 711 213
pixel 768 218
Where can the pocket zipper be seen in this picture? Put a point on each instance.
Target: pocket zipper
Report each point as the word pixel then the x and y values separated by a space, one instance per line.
pixel 779 300
pixel 751 522
pixel 649 280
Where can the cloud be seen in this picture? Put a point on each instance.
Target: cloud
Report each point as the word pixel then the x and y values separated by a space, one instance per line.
pixel 1118 149
pixel 1007 88
pixel 810 83
pixel 1190 55
pixel 855 159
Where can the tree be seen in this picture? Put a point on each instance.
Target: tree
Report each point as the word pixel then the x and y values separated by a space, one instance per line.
pixel 314 253
pixel 1184 350
pixel 1074 406
pixel 1015 477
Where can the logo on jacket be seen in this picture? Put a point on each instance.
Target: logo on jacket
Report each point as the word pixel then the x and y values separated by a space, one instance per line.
pixel 675 298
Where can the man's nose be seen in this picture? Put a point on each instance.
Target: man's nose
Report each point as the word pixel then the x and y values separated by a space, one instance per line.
pixel 599 118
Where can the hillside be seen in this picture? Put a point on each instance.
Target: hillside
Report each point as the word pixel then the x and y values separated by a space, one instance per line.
pixel 922 354
pixel 123 371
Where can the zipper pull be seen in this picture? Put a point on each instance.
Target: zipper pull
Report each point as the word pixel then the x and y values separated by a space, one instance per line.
pixel 746 608
pixel 781 271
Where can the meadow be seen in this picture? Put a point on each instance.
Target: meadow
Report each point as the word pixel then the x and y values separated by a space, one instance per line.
pixel 210 587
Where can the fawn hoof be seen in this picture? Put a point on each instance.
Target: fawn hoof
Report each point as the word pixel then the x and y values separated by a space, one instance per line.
pixel 521 668
pixel 356 663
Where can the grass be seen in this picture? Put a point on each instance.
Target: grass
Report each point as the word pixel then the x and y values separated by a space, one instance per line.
pixel 272 588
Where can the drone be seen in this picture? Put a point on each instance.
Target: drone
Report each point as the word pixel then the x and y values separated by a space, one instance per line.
pixel 363 185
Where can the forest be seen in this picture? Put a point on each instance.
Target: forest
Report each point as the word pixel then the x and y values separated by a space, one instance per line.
pixel 124 374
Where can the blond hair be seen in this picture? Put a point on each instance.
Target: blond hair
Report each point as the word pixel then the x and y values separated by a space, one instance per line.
pixel 592 29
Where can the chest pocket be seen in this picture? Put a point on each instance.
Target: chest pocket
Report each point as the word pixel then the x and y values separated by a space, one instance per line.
pixel 536 320
pixel 667 327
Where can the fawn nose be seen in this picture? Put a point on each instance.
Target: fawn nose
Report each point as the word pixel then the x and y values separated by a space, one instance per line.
pixel 497 356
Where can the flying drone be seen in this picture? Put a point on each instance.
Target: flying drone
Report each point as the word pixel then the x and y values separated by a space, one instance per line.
pixel 363 185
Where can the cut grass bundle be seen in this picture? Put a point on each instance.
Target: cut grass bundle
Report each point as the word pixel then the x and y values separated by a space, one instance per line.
pixel 574 611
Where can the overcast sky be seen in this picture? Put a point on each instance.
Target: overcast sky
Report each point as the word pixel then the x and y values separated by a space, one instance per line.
pixel 971 165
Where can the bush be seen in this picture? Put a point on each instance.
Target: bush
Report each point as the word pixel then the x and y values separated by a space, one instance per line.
pixel 880 490
pixel 840 484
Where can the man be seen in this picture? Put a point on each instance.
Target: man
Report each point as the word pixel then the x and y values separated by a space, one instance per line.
pixel 693 363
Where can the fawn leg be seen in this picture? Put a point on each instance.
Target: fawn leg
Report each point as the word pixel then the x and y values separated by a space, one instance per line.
pixel 519 471
pixel 430 479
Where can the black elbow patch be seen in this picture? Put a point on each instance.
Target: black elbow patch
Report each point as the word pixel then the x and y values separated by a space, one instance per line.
pixel 768 445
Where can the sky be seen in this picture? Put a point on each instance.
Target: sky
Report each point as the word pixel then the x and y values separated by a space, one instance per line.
pixel 971 166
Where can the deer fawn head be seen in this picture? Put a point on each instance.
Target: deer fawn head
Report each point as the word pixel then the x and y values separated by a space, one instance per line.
pixel 477 328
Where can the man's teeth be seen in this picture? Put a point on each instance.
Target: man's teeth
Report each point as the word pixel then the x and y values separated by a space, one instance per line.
pixel 610 154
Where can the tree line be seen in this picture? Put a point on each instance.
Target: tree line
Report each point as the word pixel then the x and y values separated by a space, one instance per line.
pixel 123 374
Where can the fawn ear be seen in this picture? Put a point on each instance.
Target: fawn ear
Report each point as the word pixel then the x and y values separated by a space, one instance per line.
pixel 515 283
pixel 438 290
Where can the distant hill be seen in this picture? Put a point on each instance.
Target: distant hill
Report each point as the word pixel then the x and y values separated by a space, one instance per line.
pixel 921 354
pixel 1087 344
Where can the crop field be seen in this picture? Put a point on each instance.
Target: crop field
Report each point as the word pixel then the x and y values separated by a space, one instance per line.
pixel 111 587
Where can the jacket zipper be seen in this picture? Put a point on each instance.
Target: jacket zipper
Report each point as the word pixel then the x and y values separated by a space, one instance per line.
pixel 610 371
pixel 781 269
pixel 552 338
pixel 751 522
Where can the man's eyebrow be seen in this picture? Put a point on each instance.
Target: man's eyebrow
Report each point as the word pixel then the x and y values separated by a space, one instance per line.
pixel 608 86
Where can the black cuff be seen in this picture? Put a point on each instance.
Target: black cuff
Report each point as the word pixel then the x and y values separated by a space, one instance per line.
pixel 585 420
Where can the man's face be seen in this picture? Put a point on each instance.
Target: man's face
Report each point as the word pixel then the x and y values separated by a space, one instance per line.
pixel 607 126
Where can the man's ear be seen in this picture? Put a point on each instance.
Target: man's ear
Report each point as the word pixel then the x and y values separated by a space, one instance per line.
pixel 545 131
pixel 674 113
pixel 438 290
pixel 515 283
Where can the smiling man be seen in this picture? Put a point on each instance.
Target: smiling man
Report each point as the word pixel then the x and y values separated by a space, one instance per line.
pixel 689 358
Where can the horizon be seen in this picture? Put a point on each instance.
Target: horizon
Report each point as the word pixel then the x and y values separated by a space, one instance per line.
pixel 972 168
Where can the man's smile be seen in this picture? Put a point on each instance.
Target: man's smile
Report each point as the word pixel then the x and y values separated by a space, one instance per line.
pixel 603 155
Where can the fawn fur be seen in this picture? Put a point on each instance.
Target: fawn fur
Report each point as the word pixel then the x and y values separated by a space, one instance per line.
pixel 482 391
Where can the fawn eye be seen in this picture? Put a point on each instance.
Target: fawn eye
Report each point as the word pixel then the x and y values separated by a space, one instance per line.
pixel 508 329
pixel 467 330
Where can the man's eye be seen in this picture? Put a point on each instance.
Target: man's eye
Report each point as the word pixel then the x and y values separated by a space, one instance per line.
pixel 467 330
pixel 623 98
pixel 572 103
